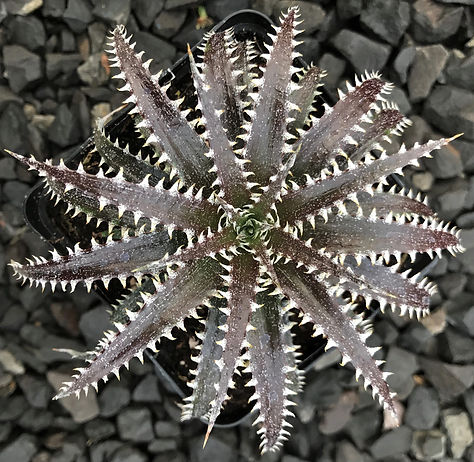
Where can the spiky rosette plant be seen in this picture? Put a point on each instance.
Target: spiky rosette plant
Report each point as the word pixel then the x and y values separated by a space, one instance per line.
pixel 268 208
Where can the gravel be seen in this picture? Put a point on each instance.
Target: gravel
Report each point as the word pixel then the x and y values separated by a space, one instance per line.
pixel 54 83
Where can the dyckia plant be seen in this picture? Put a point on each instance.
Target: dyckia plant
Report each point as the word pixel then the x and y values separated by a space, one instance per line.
pixel 283 216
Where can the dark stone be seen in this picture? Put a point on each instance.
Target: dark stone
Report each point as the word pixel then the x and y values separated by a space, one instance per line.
pixel 5 430
pixel 309 49
pixel 170 4
pixel 422 411
pixel 68 41
pixel 457 347
pixel 402 63
pixel 347 9
pixel 345 452
pixel 78 15
pixel 468 321
pixel 22 67
pixel 129 454
pixel 392 443
pixel 7 97
pixel 460 2
pixel 112 11
pixel 312 14
pixel 363 53
pixel 432 22
pixel 168 23
pixel 112 399
pixel 61 64
pixel 450 380
pixel 22 449
pixel 103 451
pixel 36 420
pixel 14 317
pixel 415 338
pixel 452 284
pixel 403 363
pixel 147 390
pixel 220 9
pixel 37 392
pixel 7 168
pixel 335 69
pixel 165 429
pixel 54 8
pixel 65 129
pixel 162 445
pixel 466 220
pixel 147 10
pixel 135 425
pixel 427 66
pixel 460 72
pixel 28 32
pixel 94 323
pixel 99 429
pixel 363 426
pixel 215 450
pixel 399 97
pixel 15 191
pixel 451 110
pixel 386 18
pixel 324 390
pixel 469 403
pixel 446 163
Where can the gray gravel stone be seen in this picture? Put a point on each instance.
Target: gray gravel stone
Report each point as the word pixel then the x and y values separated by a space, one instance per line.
pixel 335 67
pixel 166 429
pixel 404 364
pixel 53 8
pixel 7 168
pixel 363 426
pixel 392 443
pixel 94 323
pixel 162 445
pixel 402 63
pixel 215 450
pixel 428 445
pixel 147 10
pixel 98 429
pixel 168 23
pixel 459 73
pixel 65 129
pixel 37 392
pixel 92 72
pixel 22 7
pixel 427 65
pixel 147 390
pixel 129 454
pixel 112 399
pixel 21 449
pixel 458 429
pixel 457 347
pixel 78 14
pixel 160 50
pixel 363 53
pixel 23 68
pixel 112 11
pixel 446 163
pixel 135 425
pixel 399 97
pixel 62 64
pixel 450 380
pixel 452 284
pixel 422 411
pixel 28 32
pixel 347 9
pixel 468 321
pixel 219 9
pixel 466 220
pixel 432 22
pixel 346 451
pixel 386 18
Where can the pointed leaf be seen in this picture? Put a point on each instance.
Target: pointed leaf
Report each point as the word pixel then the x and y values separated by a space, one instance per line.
pixel 172 302
pixel 168 207
pixel 266 140
pixel 240 298
pixel 273 368
pixel 329 318
pixel 230 175
pixel 325 193
pixel 330 133
pixel 170 130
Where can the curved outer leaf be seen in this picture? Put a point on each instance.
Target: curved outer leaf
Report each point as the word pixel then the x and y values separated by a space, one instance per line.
pixel 207 373
pixel 266 139
pixel 371 281
pixel 115 259
pixel 324 193
pixel 273 368
pixel 220 72
pixel 170 130
pixel 330 320
pixel 134 168
pixel 160 205
pixel 330 132
pixel 240 300
pixel 396 203
pixel 171 303
pixel 230 175
pixel 350 235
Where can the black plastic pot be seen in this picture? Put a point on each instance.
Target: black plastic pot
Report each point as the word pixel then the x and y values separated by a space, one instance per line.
pixel 247 24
